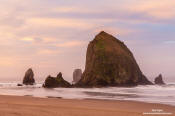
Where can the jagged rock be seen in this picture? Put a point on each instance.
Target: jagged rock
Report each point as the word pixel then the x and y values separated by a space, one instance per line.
pixel 159 80
pixel 54 82
pixel 29 77
pixel 77 75
pixel 110 63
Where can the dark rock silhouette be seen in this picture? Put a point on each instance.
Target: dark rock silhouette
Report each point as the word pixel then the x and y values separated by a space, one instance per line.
pixel 159 80
pixel 77 74
pixel 54 82
pixel 29 77
pixel 19 84
pixel 110 63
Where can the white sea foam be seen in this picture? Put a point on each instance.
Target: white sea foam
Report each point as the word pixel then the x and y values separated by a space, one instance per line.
pixel 150 93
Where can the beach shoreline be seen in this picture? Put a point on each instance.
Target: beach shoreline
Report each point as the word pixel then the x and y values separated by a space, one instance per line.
pixel 34 106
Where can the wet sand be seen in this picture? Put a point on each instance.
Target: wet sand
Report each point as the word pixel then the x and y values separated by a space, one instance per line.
pixel 31 106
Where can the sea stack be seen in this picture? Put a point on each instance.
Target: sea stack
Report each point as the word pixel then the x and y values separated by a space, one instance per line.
pixel 110 63
pixel 29 77
pixel 77 74
pixel 159 80
pixel 55 82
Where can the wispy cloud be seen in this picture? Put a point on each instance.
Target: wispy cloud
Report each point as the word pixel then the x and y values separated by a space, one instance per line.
pixel 6 61
pixel 170 42
pixel 58 22
pixel 153 11
pixel 28 39
pixel 48 33
pixel 71 44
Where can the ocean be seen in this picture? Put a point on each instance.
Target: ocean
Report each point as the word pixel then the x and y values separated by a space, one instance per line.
pixel 164 94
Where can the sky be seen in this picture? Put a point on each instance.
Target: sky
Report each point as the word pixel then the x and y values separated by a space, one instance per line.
pixel 51 36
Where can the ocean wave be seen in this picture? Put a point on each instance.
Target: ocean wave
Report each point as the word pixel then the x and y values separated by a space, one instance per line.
pixel 148 93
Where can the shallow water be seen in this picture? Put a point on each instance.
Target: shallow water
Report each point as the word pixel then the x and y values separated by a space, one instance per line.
pixel 164 94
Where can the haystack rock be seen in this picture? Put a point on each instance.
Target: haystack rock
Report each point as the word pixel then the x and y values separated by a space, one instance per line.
pixel 29 77
pixel 55 82
pixel 110 63
pixel 159 80
pixel 77 75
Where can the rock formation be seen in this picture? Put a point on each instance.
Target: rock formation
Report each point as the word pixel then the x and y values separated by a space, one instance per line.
pixel 19 84
pixel 159 80
pixel 110 63
pixel 29 77
pixel 54 82
pixel 77 75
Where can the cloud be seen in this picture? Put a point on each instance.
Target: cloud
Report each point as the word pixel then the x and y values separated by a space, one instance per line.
pixel 47 52
pixel 6 61
pixel 170 42
pixel 35 32
pixel 120 31
pixel 66 9
pixel 59 22
pixel 153 9
pixel 70 44
pixel 28 39
pixel 135 11
pixel 32 39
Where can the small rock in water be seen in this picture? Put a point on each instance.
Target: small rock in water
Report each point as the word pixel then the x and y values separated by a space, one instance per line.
pixel 54 82
pixel 19 84
pixel 159 80
pixel 29 77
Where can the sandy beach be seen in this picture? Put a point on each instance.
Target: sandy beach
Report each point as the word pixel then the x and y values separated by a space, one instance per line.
pixel 30 106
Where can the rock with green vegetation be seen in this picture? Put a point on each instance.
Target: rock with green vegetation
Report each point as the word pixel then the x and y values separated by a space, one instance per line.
pixel 55 82
pixel 110 63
